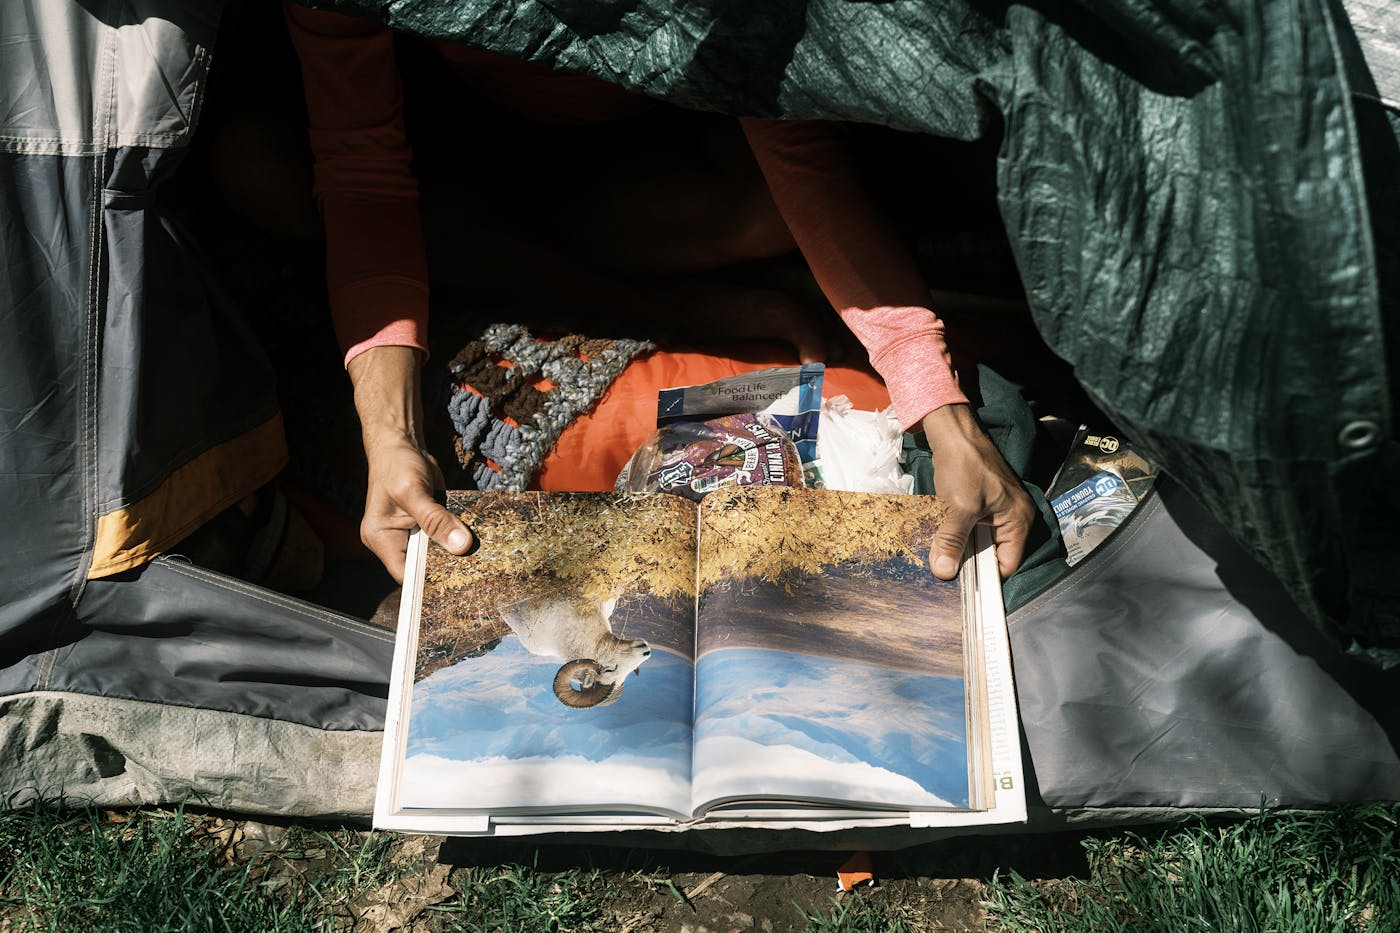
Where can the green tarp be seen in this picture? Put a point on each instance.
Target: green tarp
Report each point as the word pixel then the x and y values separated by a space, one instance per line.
pixel 1193 195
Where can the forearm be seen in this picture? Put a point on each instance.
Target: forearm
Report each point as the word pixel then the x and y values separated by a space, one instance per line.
pixel 376 267
pixel 402 476
pixel 861 264
pixel 871 279
pixel 388 396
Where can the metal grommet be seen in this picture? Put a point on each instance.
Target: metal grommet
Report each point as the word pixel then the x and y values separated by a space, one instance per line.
pixel 1359 435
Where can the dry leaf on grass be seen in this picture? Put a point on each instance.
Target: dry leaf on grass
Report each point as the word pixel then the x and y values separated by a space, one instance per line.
pixel 225 835
pixel 258 838
pixel 394 906
pixel 419 850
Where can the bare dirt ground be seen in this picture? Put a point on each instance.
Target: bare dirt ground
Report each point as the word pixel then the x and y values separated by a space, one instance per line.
pixel 933 887
pixel 938 886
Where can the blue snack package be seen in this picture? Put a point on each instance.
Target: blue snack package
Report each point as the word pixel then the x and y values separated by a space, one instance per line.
pixel 790 395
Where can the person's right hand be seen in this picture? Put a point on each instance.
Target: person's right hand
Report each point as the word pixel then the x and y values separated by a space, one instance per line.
pixel 402 481
pixel 403 477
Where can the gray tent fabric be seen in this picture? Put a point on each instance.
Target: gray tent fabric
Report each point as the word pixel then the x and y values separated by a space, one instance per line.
pixel 119 373
pixel 1124 668
pixel 117 752
pixel 1373 23
pixel 1202 204
pixel 180 684
pixel 128 392
pixel 1183 187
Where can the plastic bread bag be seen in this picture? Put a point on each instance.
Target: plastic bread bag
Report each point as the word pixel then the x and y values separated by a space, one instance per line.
pixel 860 450
pixel 789 395
pixel 693 458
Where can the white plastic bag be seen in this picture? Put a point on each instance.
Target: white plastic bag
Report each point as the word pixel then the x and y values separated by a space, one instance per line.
pixel 859 451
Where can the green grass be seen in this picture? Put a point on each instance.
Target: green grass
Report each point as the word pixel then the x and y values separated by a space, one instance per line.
pixel 857 913
pixel 513 898
pixel 67 871
pixel 1334 871
pixel 153 871
pixel 78 870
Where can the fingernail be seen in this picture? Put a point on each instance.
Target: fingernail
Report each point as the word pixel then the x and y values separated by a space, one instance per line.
pixel 945 566
pixel 457 540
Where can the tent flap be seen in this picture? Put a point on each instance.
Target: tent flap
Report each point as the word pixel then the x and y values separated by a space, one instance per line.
pixel 1183 186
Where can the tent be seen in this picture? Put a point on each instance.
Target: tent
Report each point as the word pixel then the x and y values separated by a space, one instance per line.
pixel 1203 202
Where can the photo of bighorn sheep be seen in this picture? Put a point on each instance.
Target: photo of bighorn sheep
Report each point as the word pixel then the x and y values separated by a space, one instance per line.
pixel 620 566
pixel 596 662
pixel 525 646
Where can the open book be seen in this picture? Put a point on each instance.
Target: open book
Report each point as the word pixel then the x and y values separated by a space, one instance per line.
pixel 766 656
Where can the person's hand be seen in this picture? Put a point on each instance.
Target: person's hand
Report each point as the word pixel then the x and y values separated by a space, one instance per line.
pixel 402 481
pixel 977 487
pixel 403 477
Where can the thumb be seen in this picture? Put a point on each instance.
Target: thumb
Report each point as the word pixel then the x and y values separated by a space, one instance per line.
pixel 950 543
pixel 438 523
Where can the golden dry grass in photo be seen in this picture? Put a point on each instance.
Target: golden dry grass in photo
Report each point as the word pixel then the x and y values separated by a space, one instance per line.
pixel 778 534
pixel 641 548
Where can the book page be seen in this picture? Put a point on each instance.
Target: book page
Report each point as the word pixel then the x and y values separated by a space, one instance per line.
pixel 553 666
pixel 998 727
pixel 829 658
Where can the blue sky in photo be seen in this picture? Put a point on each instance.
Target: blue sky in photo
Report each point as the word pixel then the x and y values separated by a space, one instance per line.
pixel 839 711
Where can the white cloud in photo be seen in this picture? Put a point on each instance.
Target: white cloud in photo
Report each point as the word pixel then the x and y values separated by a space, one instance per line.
pixel 841 709
pixel 566 781
pixel 863 696
pixel 736 766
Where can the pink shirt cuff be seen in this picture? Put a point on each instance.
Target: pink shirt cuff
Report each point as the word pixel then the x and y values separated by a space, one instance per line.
pixel 386 311
pixel 908 350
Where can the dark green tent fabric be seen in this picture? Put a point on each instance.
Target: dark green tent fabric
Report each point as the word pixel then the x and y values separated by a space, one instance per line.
pixel 1185 187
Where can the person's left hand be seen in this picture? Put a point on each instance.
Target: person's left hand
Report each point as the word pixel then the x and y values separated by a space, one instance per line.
pixel 977 487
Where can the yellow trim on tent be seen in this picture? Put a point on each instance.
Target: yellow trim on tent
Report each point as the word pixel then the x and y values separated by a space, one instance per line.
pixel 189 497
